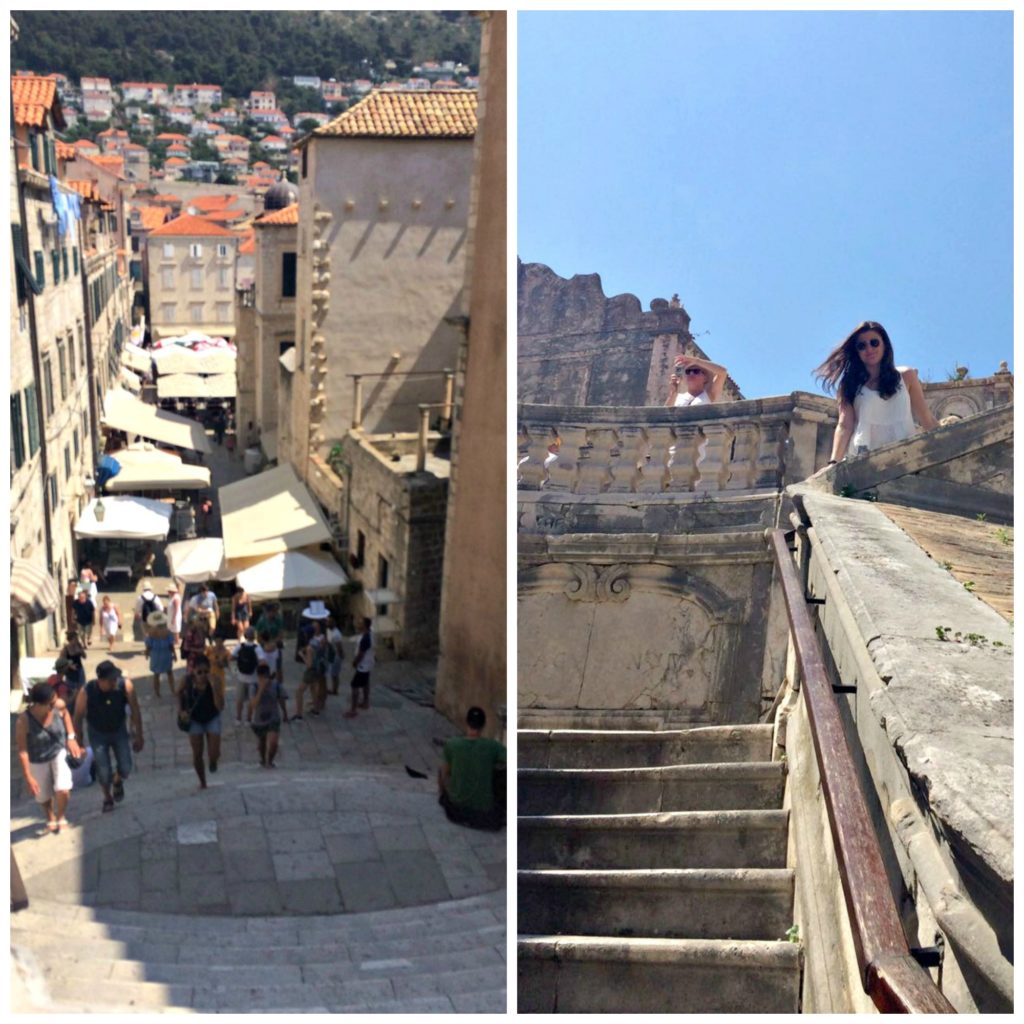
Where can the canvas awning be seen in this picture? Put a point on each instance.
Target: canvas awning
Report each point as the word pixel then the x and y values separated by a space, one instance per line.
pixel 287 360
pixel 194 561
pixel 34 593
pixel 293 574
pixel 178 359
pixel 138 419
pixel 125 518
pixel 136 358
pixel 269 513
pixel 155 471
pixel 129 380
pixel 192 385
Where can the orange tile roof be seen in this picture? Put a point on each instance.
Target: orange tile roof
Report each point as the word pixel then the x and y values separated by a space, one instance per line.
pixel 190 226
pixel 33 97
pixel 152 217
pixel 248 244
pixel 65 151
pixel 163 136
pixel 86 189
pixel 84 144
pixel 419 113
pixel 167 198
pixel 280 218
pixel 175 161
pixel 112 163
pixel 216 202
pixel 224 216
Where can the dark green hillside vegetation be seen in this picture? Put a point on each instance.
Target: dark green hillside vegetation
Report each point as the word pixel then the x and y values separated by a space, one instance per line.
pixel 241 50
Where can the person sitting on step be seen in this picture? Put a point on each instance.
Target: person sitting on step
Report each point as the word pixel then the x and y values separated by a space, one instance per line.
pixel 471 781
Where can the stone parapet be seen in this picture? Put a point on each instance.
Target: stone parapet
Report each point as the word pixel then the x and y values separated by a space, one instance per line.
pixel 751 446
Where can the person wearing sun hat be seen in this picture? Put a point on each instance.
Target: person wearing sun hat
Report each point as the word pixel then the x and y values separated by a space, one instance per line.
pixel 160 649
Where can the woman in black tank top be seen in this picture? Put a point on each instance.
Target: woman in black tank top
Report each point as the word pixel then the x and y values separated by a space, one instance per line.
pixel 200 702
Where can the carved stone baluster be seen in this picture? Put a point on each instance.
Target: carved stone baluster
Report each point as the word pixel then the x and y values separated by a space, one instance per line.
pixel 741 467
pixel 532 473
pixel 563 471
pixel 714 465
pixel 769 468
pixel 653 461
pixel 632 454
pixel 595 461
pixel 682 470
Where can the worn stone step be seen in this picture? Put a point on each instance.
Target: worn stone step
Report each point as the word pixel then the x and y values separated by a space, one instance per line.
pixel 610 721
pixel 700 787
pixel 677 904
pixel 683 839
pixel 582 974
pixel 588 748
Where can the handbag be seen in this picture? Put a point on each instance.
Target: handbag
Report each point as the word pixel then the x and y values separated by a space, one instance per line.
pixel 74 762
pixel 185 717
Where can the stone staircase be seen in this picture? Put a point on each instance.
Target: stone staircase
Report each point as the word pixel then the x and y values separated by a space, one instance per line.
pixel 653 872
pixel 429 959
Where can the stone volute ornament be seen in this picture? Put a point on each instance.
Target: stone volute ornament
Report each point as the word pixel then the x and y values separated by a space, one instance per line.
pixel 594 583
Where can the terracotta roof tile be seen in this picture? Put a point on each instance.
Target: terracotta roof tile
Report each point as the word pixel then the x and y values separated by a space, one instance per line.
pixel 224 216
pixel 188 225
pixel 217 202
pixel 32 98
pixel 175 161
pixel 419 113
pixel 84 144
pixel 152 217
pixel 167 197
pixel 86 189
pixel 113 164
pixel 65 151
pixel 280 218
pixel 248 244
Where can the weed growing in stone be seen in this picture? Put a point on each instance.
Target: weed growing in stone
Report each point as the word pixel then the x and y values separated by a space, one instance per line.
pixel 1003 536
pixel 946 634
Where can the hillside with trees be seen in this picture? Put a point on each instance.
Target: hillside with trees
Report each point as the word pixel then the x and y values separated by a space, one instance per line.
pixel 240 50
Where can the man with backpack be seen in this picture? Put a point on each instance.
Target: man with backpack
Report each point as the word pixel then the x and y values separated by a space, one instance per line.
pixel 145 604
pixel 246 661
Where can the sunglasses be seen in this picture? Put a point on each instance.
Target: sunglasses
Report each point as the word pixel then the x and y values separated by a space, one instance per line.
pixel 692 371
pixel 873 342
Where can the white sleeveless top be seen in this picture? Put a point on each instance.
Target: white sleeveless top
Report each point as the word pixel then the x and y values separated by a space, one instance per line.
pixel 882 420
pixel 685 398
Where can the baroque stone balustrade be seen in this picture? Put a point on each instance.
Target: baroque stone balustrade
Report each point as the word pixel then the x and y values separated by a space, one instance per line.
pixel 739 447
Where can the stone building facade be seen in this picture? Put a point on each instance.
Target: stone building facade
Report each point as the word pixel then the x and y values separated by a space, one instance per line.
pixel 70 312
pixel 383 209
pixel 192 278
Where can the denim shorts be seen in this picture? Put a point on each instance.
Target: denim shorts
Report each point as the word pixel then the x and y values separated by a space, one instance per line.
pixel 211 728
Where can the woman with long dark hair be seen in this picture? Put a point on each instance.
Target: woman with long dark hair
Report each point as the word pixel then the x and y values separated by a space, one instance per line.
pixel 879 401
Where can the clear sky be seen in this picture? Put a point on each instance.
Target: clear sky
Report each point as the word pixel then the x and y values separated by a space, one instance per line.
pixel 789 174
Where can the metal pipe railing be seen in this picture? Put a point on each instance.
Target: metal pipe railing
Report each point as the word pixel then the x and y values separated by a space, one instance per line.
pixel 893 979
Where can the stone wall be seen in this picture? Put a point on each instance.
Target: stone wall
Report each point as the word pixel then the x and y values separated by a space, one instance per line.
pixel 401 516
pixel 578 347
pixel 472 666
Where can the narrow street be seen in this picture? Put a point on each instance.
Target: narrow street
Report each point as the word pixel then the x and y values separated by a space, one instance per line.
pixel 338 842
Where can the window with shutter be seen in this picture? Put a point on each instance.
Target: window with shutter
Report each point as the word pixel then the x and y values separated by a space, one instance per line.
pixel 74 259
pixel 64 261
pixel 67 462
pixel 62 369
pixel 32 416
pixel 17 433
pixel 48 386
pixel 40 269
pixel 168 250
pixel 55 256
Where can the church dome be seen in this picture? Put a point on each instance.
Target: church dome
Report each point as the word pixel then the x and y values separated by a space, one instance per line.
pixel 279 196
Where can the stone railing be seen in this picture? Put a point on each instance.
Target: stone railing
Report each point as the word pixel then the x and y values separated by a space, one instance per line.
pixel 753 445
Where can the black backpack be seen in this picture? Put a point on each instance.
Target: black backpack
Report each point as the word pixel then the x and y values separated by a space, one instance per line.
pixel 247 660
pixel 148 606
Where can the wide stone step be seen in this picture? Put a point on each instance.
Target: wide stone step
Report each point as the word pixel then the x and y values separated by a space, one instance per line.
pixel 676 904
pixel 583 748
pixel 701 787
pixel 581 974
pixel 686 839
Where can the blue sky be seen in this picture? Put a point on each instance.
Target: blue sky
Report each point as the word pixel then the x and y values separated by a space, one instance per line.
pixel 788 174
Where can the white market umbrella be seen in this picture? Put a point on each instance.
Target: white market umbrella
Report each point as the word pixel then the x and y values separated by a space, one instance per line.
pixel 293 574
pixel 125 517
pixel 195 561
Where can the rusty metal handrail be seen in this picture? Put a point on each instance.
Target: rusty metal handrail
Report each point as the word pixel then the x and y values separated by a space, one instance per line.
pixel 893 979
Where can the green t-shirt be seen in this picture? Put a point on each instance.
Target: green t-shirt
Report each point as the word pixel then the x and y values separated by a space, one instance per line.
pixel 472 762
